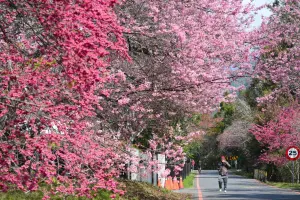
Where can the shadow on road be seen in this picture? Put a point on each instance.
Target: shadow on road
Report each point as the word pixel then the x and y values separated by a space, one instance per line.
pixel 239 188
pixel 251 196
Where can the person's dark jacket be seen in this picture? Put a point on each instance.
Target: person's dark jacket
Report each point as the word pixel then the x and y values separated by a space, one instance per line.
pixel 223 168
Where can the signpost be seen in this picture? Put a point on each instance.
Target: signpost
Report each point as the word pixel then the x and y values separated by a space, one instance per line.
pixel 292 153
pixel 232 158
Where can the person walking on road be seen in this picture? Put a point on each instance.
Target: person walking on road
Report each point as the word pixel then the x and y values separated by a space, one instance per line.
pixel 193 164
pixel 223 167
pixel 199 168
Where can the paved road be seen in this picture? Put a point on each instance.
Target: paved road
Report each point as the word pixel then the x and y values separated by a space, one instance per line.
pixel 206 188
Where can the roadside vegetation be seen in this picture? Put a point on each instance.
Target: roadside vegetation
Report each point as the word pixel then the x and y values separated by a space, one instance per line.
pixel 142 191
pixel 134 191
pixel 293 186
pixel 188 182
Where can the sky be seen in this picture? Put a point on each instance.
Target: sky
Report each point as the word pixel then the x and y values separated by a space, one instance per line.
pixel 263 12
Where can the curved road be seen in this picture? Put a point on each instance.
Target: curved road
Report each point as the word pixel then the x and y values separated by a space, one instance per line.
pixel 206 188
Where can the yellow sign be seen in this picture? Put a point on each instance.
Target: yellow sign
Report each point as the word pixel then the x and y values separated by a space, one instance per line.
pixel 232 157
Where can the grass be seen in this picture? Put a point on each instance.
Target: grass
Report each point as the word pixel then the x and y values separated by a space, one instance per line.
pixel 134 191
pixel 293 186
pixel 188 182
pixel 12 195
pixel 19 195
pixel 142 191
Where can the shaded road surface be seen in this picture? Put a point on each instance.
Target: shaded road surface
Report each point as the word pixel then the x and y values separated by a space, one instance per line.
pixel 206 188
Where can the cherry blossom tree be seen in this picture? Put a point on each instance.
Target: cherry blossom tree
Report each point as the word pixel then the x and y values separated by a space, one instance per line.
pixel 184 50
pixel 176 63
pixel 279 50
pixel 182 55
pixel 54 58
pixel 73 98
pixel 279 134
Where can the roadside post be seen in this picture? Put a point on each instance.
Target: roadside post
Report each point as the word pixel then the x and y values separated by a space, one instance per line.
pixel 292 153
